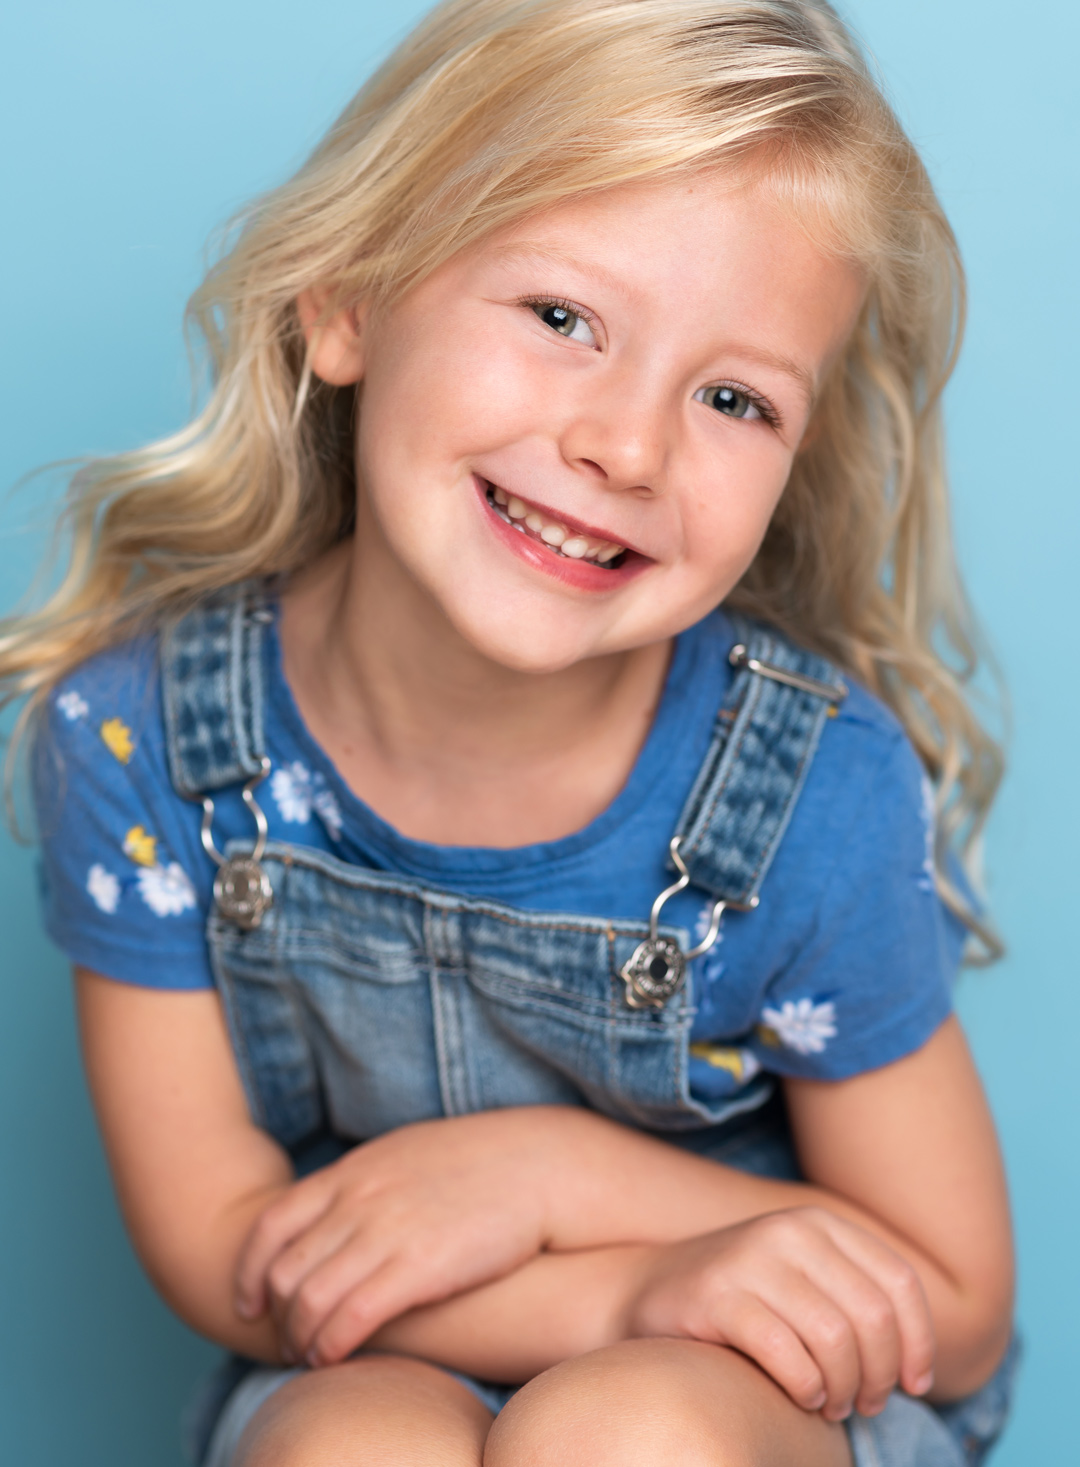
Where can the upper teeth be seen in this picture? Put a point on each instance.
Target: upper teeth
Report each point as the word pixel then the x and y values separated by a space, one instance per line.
pixel 566 542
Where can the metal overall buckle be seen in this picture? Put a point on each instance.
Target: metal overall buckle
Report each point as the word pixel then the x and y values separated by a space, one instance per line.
pixel 242 888
pixel 657 967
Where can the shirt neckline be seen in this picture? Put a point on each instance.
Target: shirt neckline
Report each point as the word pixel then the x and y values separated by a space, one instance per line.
pixel 691 692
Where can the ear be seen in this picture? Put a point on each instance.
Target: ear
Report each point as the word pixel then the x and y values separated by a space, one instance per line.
pixel 335 342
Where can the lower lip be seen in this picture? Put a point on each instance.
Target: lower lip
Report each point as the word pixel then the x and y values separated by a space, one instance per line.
pixel 583 575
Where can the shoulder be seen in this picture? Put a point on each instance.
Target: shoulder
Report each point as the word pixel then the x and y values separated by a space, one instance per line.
pixel 99 718
pixel 117 685
pixel 866 748
pixel 98 753
pixel 99 762
pixel 124 883
pixel 866 808
pixel 863 722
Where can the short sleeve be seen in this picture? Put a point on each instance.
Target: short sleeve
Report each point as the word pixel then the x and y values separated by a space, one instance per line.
pixel 872 980
pixel 124 889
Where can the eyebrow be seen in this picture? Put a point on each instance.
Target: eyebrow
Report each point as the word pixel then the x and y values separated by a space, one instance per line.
pixel 780 363
pixel 552 255
pixel 762 357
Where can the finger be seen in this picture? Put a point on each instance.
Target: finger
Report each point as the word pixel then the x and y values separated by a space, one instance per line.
pixel 826 1333
pixel 337 1234
pixel 871 1319
pixel 342 1273
pixel 751 1326
pixel 276 1226
pixel 401 1283
pixel 900 1283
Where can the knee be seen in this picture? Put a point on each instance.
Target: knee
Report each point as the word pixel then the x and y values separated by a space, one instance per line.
pixel 656 1402
pixel 379 1410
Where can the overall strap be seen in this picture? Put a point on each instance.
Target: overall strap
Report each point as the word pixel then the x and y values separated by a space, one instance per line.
pixel 767 733
pixel 212 686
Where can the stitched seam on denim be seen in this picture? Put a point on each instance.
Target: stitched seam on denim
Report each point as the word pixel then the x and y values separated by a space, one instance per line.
pixel 733 746
pixel 248 1070
pixel 726 716
pixel 809 749
pixel 222 624
pixel 635 933
pixel 594 926
pixel 732 753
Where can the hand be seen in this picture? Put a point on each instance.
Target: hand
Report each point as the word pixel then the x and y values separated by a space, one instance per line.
pixel 410 1218
pixel 834 1315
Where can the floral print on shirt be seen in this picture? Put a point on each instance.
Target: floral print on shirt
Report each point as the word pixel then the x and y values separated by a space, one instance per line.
pixel 741 1064
pixel 72 705
pixel 799 1024
pixel 167 890
pixel 104 889
pixel 116 736
pixel 141 846
pixel 297 792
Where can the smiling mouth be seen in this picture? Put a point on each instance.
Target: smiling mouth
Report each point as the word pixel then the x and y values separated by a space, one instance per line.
pixel 555 536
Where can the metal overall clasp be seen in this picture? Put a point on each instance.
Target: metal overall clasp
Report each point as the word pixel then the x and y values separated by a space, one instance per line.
pixel 242 889
pixel 657 967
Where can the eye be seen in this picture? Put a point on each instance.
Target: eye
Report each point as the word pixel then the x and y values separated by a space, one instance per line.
pixel 733 402
pixel 563 318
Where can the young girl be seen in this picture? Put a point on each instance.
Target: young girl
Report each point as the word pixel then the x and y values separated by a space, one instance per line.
pixel 488 773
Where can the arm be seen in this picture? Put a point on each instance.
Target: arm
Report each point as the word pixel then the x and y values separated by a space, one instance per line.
pixel 194 1175
pixel 192 1171
pixel 906 1153
pixel 913 1147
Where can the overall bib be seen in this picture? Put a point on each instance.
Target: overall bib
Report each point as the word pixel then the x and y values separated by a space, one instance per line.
pixel 359 1001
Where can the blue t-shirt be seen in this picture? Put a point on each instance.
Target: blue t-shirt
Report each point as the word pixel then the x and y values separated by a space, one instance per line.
pixel 845 965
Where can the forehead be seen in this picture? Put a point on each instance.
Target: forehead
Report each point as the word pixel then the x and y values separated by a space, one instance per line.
pixel 687 223
pixel 706 251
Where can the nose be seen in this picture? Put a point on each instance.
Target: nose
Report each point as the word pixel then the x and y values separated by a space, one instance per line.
pixel 620 431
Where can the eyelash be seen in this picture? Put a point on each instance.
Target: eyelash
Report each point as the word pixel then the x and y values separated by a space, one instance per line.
pixel 764 406
pixel 529 301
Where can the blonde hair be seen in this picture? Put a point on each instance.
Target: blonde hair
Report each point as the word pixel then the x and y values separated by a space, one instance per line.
pixel 489 111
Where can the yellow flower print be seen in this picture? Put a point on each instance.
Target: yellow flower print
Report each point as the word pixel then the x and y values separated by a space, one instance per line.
pixel 721 1057
pixel 116 737
pixel 741 1064
pixel 141 846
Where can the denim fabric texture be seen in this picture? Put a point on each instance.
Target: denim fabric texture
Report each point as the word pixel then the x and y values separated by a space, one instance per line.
pixel 364 1000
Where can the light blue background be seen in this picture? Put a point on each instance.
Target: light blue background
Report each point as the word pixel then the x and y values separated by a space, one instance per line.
pixel 129 132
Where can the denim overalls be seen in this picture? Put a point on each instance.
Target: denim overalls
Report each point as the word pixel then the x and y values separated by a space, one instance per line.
pixel 359 1001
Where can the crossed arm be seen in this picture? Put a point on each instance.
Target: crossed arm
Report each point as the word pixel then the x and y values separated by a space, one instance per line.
pixel 502 1243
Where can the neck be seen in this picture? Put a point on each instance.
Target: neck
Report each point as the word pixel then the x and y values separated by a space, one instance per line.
pixel 409 710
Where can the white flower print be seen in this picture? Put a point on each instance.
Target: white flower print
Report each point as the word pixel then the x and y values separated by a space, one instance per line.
pixel 327 808
pixel 104 889
pixel 72 705
pixel 928 880
pixel 291 787
pixel 802 1025
pixel 166 890
pixel 297 792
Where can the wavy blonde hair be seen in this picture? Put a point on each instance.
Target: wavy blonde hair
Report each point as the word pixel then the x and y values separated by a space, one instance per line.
pixel 493 109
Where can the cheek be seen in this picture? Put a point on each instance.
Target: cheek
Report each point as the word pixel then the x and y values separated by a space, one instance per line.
pixel 726 521
pixel 443 395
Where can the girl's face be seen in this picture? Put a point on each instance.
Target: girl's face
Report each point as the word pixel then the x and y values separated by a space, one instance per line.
pixel 573 436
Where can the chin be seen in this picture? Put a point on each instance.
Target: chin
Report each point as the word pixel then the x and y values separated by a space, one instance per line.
pixel 523 643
